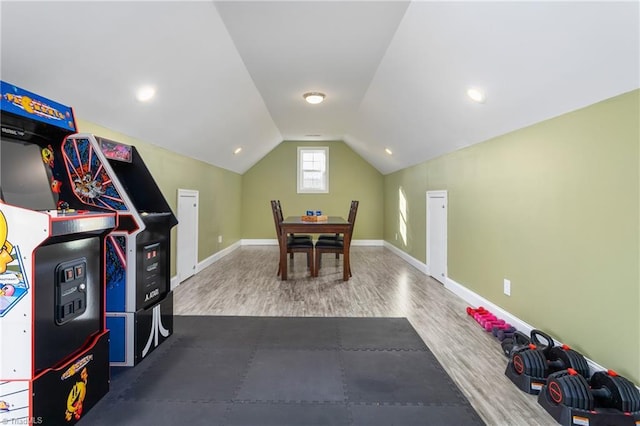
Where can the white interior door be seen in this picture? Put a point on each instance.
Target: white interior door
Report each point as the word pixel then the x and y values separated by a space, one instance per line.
pixel 187 244
pixel 437 234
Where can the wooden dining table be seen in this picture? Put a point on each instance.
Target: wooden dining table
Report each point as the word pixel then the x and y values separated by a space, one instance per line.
pixel 333 225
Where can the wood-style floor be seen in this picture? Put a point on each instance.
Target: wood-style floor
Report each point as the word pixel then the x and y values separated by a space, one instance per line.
pixel 383 285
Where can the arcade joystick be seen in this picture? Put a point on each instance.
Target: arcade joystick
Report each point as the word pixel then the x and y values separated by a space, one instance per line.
pixel 63 205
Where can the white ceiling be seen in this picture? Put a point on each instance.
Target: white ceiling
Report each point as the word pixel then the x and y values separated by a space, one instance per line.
pixel 232 74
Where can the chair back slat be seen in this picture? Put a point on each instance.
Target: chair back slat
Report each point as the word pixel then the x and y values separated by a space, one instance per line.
pixel 277 213
pixel 352 215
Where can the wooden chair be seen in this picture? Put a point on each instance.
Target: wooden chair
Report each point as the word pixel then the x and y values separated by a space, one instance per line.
pixel 298 237
pixel 338 237
pixel 336 243
pixel 294 245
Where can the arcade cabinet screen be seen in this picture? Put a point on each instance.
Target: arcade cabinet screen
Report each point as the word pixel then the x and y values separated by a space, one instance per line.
pixel 23 176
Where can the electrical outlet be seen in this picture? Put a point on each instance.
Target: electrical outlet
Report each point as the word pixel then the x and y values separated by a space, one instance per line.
pixel 219 238
pixel 507 287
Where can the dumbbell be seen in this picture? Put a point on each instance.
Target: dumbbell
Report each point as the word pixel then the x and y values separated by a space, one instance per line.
pixel 559 358
pixel 563 357
pixel 478 315
pixel 517 342
pixel 544 358
pixel 569 388
pixel 488 323
pixel 614 391
pixel 471 311
pixel 531 360
pixel 482 320
pixel 485 317
pixel 499 324
pixel 506 330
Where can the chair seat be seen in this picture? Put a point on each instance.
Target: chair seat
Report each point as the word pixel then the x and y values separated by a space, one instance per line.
pixel 338 237
pixel 299 244
pixel 330 244
pixel 298 237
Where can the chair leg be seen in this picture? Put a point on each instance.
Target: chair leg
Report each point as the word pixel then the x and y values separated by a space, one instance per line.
pixel 317 262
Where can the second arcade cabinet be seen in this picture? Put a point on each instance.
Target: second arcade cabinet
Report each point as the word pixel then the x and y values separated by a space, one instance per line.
pixel 139 299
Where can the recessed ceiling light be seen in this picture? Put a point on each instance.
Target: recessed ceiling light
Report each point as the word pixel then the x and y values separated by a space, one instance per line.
pixel 237 150
pixel 314 97
pixel 476 95
pixel 388 151
pixel 145 93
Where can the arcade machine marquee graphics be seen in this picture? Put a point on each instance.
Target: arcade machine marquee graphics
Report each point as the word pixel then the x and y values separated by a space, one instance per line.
pixel 54 357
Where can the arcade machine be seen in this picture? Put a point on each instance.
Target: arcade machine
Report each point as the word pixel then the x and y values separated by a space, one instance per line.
pixel 54 355
pixel 139 299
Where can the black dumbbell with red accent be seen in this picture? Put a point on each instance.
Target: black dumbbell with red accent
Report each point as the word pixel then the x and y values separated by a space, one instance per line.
pixel 552 358
pixel 614 391
pixel 605 399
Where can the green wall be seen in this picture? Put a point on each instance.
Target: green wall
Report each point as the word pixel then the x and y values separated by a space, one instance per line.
pixel 219 191
pixel 274 177
pixel 553 207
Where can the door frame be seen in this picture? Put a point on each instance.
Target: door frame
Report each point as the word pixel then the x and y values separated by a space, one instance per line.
pixel 437 194
pixel 179 242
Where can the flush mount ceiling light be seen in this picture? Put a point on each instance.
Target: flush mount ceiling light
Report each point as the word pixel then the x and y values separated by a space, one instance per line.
pixel 314 97
pixel 237 150
pixel 388 151
pixel 476 95
pixel 145 93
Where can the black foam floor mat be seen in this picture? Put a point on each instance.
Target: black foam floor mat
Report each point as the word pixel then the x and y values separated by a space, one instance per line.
pixel 274 371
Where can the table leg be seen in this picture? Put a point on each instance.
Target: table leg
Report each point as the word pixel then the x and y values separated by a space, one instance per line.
pixel 283 256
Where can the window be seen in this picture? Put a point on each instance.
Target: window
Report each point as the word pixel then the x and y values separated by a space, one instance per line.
pixel 313 170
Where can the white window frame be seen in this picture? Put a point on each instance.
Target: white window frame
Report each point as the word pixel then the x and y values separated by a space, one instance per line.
pixel 325 176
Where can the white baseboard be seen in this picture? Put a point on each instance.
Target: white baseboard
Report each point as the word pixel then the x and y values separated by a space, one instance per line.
pixel 274 242
pixel 424 268
pixel 267 242
pixel 207 262
pixel 369 243
pixel 216 256
pixel 174 282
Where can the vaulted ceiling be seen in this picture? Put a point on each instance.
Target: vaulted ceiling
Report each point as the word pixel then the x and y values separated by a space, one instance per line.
pixel 231 74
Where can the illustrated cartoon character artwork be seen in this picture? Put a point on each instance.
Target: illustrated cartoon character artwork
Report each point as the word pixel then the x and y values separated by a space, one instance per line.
pixel 47 155
pixel 4 406
pixel 13 285
pixel 75 399
pixel 88 187
pixel 49 160
pixel 56 186
pixel 91 182
pixel 5 246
